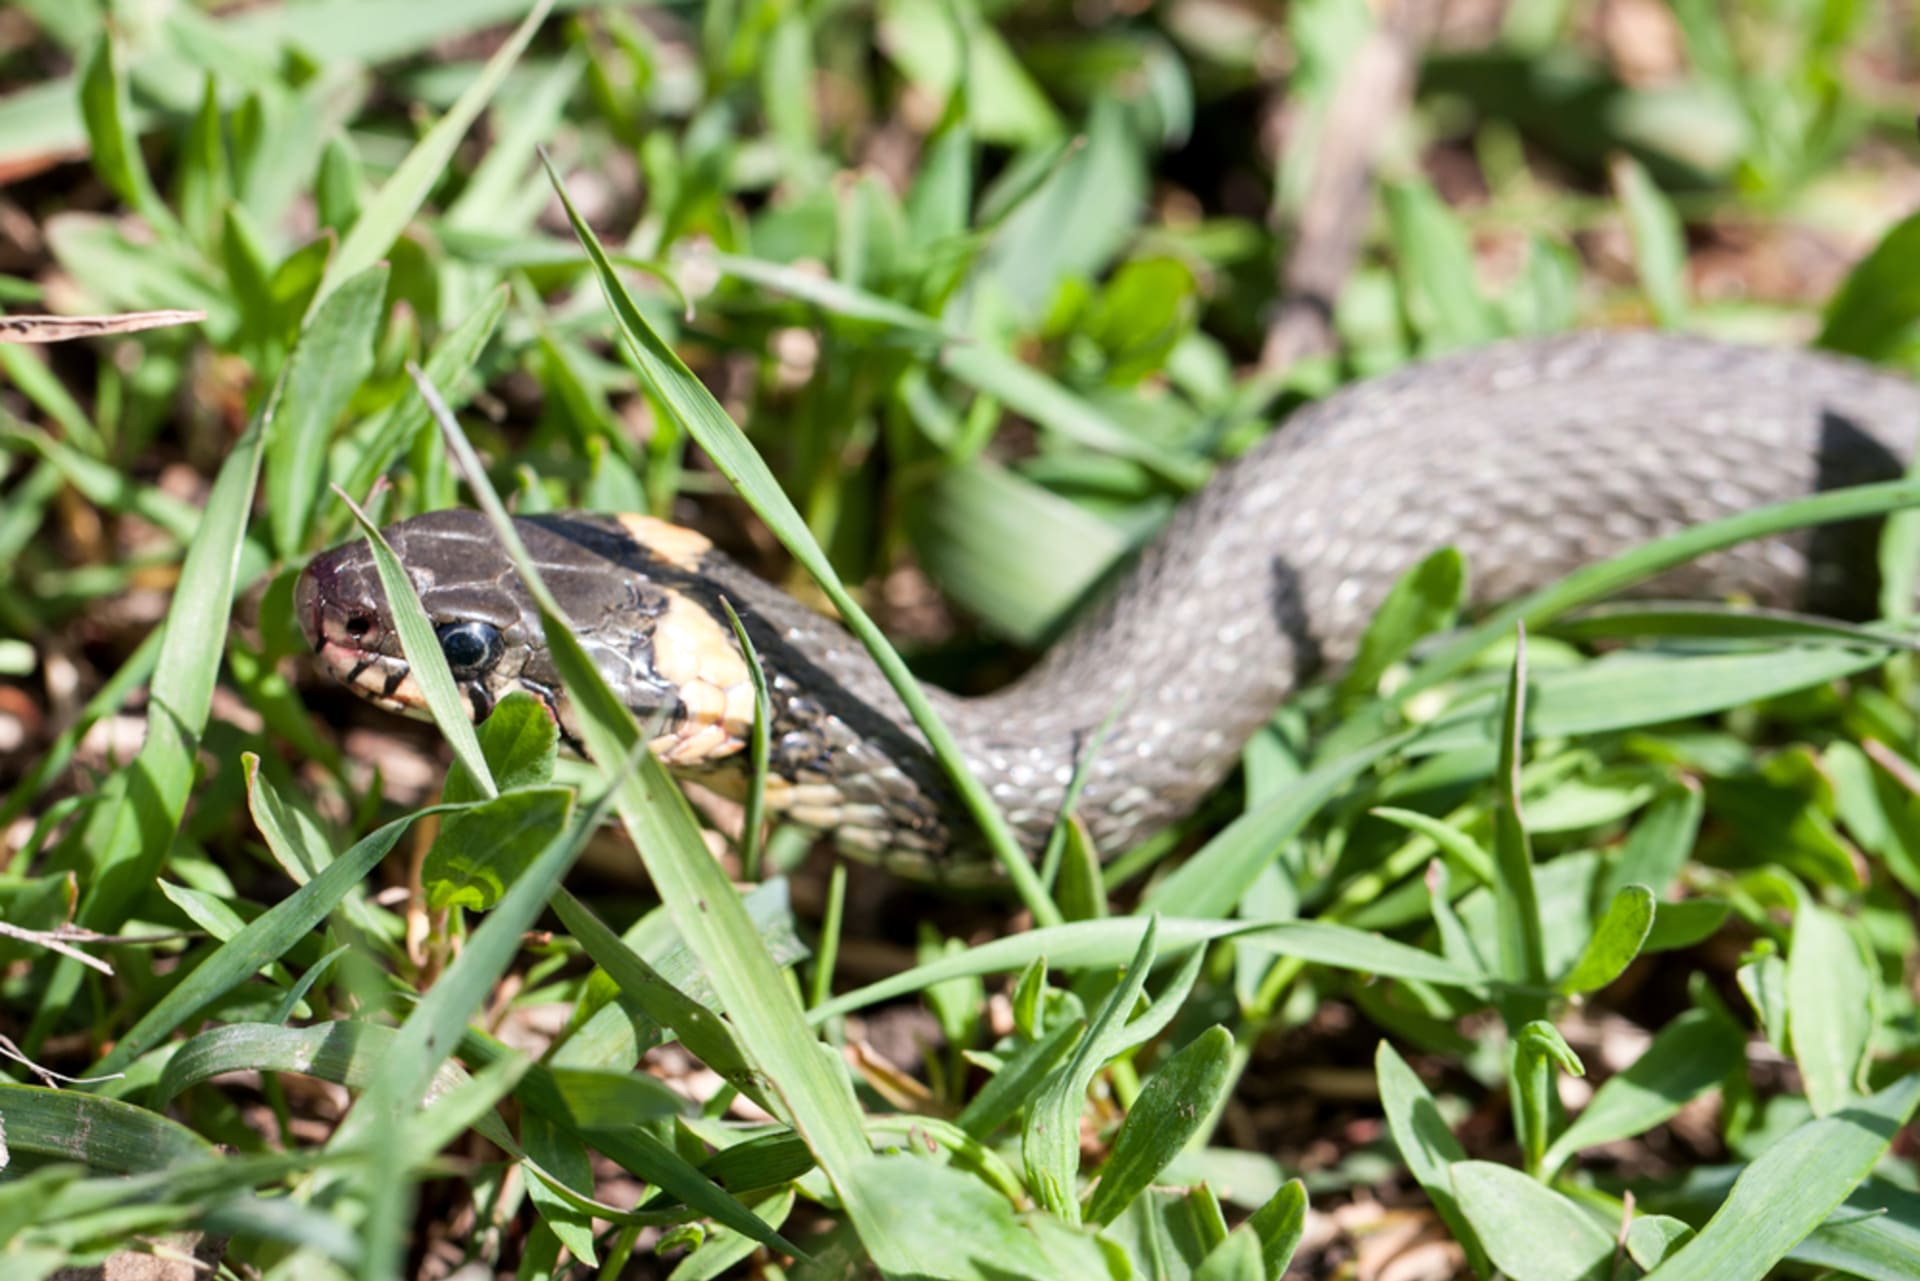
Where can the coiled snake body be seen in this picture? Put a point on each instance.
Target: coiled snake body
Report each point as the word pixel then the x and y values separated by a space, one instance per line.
pixel 1531 457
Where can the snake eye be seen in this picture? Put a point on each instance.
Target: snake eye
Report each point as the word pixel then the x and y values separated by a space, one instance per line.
pixel 472 648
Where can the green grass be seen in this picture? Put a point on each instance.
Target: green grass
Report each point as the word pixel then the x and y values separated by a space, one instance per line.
pixel 931 285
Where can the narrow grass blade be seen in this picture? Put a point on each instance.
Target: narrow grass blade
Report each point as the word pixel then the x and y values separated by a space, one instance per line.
pixel 328 364
pixel 1522 950
pixel 260 942
pixel 1090 944
pixel 448 365
pixel 753 812
pixel 102 1134
pixel 1213 880
pixel 110 131
pixel 1050 1143
pixel 127 842
pixel 1659 240
pixel 389 212
pixel 701 416
pixel 1584 586
pixel 421 645
pixel 1690 1055
pixel 1633 691
pixel 703 1032
pixel 1445 835
pixel 1424 600
pixel 1028 391
pixel 430 1033
pixel 1728 624
pixel 806 1075
pixel 345 1053
pixel 1791 1188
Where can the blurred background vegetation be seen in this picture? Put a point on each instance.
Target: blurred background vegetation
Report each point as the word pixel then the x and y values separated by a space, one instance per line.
pixel 991 287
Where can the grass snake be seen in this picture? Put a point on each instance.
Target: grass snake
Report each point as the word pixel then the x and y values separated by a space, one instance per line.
pixel 1532 457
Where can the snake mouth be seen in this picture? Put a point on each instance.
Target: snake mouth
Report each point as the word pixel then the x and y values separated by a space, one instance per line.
pixel 353 638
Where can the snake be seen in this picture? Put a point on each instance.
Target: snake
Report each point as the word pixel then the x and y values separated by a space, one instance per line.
pixel 1531 457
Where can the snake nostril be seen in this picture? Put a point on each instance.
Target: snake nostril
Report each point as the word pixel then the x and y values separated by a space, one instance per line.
pixel 359 625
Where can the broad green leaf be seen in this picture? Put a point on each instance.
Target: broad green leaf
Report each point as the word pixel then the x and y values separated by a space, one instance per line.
pixel 1830 1006
pixel 1174 1103
pixel 1426 1145
pixel 1683 924
pixel 1234 1259
pixel 1791 1188
pixel 1616 940
pixel 1280 1224
pixel 1875 308
pixel 486 849
pixel 1530 1232
pixel 960 1229
pixel 1653 1238
pixel 520 744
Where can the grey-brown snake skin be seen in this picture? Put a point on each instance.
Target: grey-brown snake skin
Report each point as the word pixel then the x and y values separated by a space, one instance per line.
pixel 1532 457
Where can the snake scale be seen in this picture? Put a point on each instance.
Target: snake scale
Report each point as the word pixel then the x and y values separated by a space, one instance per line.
pixel 1532 457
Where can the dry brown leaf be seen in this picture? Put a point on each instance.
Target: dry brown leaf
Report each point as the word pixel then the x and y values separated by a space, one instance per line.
pixel 39 329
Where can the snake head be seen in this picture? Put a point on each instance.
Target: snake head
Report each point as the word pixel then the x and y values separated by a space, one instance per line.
pixel 628 585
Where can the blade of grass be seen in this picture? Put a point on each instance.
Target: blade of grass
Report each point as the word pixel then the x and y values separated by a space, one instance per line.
pixel 1522 949
pixel 334 356
pixel 1791 1188
pixel 389 212
pixel 1091 944
pixel 126 838
pixel 260 942
pixel 1620 572
pixel 421 645
pixel 430 1034
pixel 753 814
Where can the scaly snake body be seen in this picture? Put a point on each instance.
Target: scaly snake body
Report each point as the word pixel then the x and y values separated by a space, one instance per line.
pixel 1533 458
